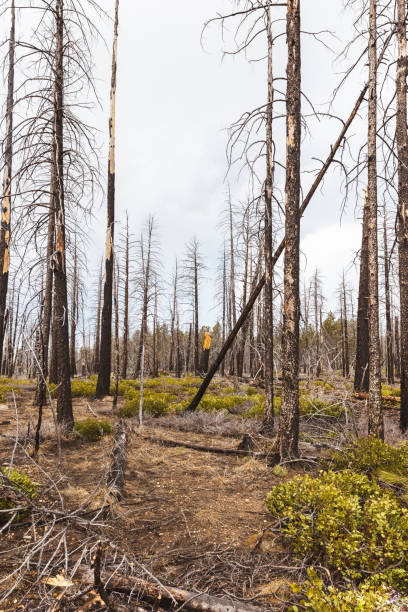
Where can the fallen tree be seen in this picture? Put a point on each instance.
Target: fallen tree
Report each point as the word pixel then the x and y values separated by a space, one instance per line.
pixel 171 597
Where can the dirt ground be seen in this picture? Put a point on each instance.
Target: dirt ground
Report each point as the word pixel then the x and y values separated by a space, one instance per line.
pixel 193 519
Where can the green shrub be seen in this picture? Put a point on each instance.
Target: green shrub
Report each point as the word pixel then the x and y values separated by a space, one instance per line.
pixel 211 403
pixel 368 455
pixel 365 598
pixel 22 484
pixel 314 406
pixel 155 404
pixel 344 521
pixel 93 430
pixel 389 391
pixel 83 388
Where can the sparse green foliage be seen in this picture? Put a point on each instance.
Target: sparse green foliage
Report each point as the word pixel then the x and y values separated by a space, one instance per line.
pixel 368 455
pixel 344 521
pixel 21 484
pixel 93 430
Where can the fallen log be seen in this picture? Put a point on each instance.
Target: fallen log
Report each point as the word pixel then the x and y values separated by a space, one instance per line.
pixel 205 449
pixel 386 398
pixel 116 475
pixel 171 597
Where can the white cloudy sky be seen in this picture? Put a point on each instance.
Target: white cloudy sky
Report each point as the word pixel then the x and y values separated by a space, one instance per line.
pixel 174 101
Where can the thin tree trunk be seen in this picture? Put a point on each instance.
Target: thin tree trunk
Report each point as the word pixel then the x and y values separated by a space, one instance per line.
pixel 362 371
pixel 244 331
pixel 116 335
pixel 346 336
pixel 155 363
pixel 397 349
pixel 98 325
pixel 375 415
pixel 125 347
pixel 189 345
pixel 173 318
pixel 289 420
pixel 7 177
pixel 64 400
pixel 196 328
pixel 74 313
pixel 389 352
pixel 317 330
pixel 402 145
pixel 146 281
pixel 224 306
pixel 103 384
pixel 268 419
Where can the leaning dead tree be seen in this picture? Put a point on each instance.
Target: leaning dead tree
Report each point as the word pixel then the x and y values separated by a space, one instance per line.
pixel 103 384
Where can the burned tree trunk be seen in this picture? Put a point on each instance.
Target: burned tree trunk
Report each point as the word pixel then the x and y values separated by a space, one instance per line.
pixel 289 420
pixel 268 420
pixel 375 415
pixel 402 145
pixel 103 384
pixel 116 334
pixel 98 325
pixel 362 372
pixel 64 401
pixel 146 285
pixel 346 336
pixel 124 359
pixel 8 162
pixel 173 318
pixel 74 313
pixel 390 356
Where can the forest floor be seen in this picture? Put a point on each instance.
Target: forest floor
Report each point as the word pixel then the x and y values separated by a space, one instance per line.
pixel 188 517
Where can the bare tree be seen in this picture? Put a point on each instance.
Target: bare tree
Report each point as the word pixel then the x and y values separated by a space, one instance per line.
pixel 375 415
pixel 362 371
pixel 8 173
pixel 125 347
pixel 103 384
pixel 289 420
pixel 402 146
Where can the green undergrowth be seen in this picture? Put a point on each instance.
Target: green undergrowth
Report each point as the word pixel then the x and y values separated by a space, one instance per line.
pixel 351 520
pixel 92 429
pixel 21 484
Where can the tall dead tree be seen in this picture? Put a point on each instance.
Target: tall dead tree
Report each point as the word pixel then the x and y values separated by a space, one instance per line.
pixel 346 334
pixel 74 312
pixel 268 419
pixel 390 356
pixel 362 371
pixel 397 348
pixel 64 400
pixel 316 284
pixel 103 384
pixel 125 346
pixel 375 414
pixel 172 356
pixel 402 230
pixel 8 173
pixel 98 325
pixel 146 257
pixel 289 420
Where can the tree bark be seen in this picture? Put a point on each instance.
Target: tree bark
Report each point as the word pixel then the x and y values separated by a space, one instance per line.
pixel 289 419
pixel 402 230
pixel 390 356
pixel 98 325
pixel 103 383
pixel 346 335
pixel 64 400
pixel 362 371
pixel 74 314
pixel 397 348
pixel 5 227
pixel 125 347
pixel 375 415
pixel 146 282
pixel 268 419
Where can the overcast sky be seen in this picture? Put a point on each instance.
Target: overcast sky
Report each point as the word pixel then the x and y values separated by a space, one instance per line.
pixel 175 97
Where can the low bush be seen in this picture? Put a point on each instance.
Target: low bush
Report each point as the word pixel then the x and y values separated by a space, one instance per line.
pixel 364 598
pixel 369 455
pixel 154 404
pixel 92 430
pixel 21 484
pixel 389 391
pixel 83 388
pixel 309 406
pixel 346 522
